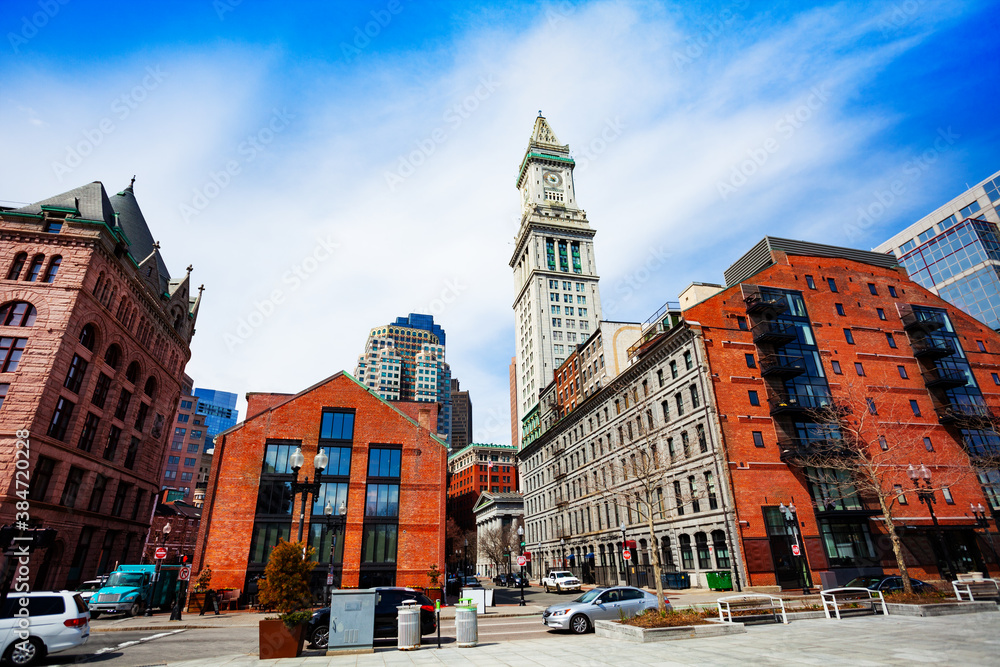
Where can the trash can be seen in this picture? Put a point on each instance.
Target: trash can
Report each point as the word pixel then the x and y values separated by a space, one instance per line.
pixel 720 581
pixel 466 623
pixel 409 625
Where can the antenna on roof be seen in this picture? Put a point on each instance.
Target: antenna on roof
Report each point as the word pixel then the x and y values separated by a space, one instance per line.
pixel 539 113
pixel 132 183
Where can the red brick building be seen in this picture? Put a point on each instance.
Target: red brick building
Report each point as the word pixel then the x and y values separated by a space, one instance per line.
pixel 475 469
pixel 95 336
pixel 800 326
pixel 386 469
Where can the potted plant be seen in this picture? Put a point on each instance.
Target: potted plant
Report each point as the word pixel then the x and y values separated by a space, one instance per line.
pixel 199 595
pixel 433 591
pixel 285 588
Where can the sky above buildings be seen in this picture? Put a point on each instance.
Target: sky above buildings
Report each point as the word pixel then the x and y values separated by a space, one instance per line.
pixel 327 167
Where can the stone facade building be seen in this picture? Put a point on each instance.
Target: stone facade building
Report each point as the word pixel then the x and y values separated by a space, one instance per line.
pixel 95 336
pixel 498 516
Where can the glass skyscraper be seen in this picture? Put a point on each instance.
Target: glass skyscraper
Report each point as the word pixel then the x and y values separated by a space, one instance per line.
pixel 219 409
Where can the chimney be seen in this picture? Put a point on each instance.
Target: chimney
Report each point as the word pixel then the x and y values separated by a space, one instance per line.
pixel 424 418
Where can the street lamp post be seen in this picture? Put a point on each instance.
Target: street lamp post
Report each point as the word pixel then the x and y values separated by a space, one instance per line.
pixel 520 538
pixel 465 558
pixel 562 552
pixel 328 513
pixel 979 512
pixel 156 573
pixel 305 488
pixel 926 495
pixel 628 580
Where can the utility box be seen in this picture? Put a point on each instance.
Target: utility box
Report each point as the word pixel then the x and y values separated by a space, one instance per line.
pixel 478 596
pixel 352 622
pixel 828 580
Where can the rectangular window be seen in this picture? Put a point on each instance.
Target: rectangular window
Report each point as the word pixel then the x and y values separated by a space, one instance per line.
pixel 679 400
pixel 666 410
pixel 872 289
pixel 687 361
pixel 758 439
pixel 378 544
pixel 111 447
pixel 979 344
pixel 946 492
pixel 140 416
pixel 556 310
pixel 74 378
pixel 187 476
pixel 265 537
pixel 173 460
pixel 695 500
pixel 742 323
pixel 881 313
pixel 90 427
pixel 832 283
pixel 892 291
pixel 849 336
pixel 101 391
pixel 182 419
pixel 97 493
pixel 188 462
pixel 673 369
pixel 810 282
pixel 889 339
pixel 124 398
pixel 695 400
pixel 751 362
pixel 702 440
pixel 840 308
pixel 60 419
pixel 900 496
pixel 383 462
pixel 186 405
pixel 337 426
pixel 836 367
pixel 679 498
pixel 195 435
pixel 754 398
pixel 915 408
pixel 883 444
pixel 902 372
pixel 556 321
pixel 859 368
pixel 871 406
pixel 996 378
pixel 38 489
pixel 72 488
pixel 11 350
pixel 140 499
pixel 382 500
pixel 928 445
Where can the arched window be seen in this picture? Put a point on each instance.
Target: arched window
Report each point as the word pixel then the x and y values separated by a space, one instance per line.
pixel 52 270
pixel 150 389
pixel 132 374
pixel 35 268
pixel 99 283
pixel 17 314
pixel 113 356
pixel 15 268
pixel 687 556
pixel 88 336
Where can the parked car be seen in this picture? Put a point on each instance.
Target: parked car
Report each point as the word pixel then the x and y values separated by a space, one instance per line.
pixel 890 584
pixel 88 588
pixel 387 599
pixel 58 620
pixel 599 604
pixel 518 580
pixel 501 579
pixel 560 580
pixel 471 582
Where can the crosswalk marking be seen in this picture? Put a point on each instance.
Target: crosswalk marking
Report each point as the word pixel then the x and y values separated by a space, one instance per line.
pixel 119 647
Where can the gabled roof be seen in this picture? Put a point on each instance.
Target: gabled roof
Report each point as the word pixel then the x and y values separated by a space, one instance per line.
pixel 487 498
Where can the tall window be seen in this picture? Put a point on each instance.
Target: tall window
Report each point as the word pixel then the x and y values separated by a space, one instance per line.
pixel 38 489
pixel 721 549
pixel 704 555
pixel 90 427
pixel 72 488
pixel 52 270
pixel 379 539
pixel 11 350
pixel 60 418
pixel 17 265
pixel 687 557
pixel 97 493
pixel 74 378
pixel 35 268
pixel 100 396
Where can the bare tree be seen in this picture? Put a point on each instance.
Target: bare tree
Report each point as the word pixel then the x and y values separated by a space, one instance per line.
pixel 498 543
pixel 864 447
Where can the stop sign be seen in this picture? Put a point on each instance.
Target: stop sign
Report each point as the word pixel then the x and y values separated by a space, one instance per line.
pixel 521 560
pixel 627 555
pixel 161 553
pixel 795 550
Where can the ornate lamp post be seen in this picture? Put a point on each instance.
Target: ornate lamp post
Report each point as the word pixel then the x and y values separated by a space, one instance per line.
pixel 926 495
pixel 297 459
pixel 330 519
pixel 156 573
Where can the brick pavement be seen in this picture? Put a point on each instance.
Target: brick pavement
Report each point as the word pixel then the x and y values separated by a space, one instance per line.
pixel 863 640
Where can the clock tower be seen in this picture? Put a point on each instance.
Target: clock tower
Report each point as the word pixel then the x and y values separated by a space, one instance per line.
pixel 557 303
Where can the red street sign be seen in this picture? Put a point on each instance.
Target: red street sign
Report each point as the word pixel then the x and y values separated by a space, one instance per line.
pixel 161 553
pixel 527 556
pixel 795 550
pixel 627 555
pixel 630 544
pixel 184 574
pixel 521 560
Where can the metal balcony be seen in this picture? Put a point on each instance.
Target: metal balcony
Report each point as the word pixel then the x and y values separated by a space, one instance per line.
pixel 782 366
pixel 761 303
pixel 798 405
pixel 923 321
pixel 966 415
pixel 774 332
pixel 945 378
pixel 796 451
pixel 929 348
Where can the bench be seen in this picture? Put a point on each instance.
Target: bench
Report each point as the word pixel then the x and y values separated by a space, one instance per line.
pixel 760 602
pixel 834 597
pixel 977 588
pixel 229 598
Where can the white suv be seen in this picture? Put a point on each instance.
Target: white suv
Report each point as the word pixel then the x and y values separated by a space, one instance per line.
pixel 54 621
pixel 561 580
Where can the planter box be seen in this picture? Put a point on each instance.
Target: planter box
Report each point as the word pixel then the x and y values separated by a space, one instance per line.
pixel 630 633
pixel 196 601
pixel 277 641
pixel 941 609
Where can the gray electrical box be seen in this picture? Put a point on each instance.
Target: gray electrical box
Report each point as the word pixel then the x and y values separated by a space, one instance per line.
pixel 352 621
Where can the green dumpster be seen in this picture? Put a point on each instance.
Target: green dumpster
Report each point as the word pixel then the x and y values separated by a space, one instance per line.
pixel 720 581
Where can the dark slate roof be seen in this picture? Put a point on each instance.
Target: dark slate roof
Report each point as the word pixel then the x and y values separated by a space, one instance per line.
pixel 759 257
pixel 90 199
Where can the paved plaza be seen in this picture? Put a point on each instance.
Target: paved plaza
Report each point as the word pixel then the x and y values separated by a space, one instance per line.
pixel 972 639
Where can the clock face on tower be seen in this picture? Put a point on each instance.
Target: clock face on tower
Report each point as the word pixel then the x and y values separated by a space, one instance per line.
pixel 552 179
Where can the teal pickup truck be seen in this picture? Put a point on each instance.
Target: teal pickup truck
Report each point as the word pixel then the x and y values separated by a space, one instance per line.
pixel 129 588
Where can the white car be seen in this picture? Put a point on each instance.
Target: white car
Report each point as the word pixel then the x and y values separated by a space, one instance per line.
pixel 32 625
pixel 560 580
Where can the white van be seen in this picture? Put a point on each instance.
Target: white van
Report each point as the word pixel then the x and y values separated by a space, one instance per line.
pixel 54 621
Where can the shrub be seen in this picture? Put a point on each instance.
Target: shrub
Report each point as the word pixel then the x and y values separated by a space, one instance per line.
pixel 204 580
pixel 285 586
pixel 654 618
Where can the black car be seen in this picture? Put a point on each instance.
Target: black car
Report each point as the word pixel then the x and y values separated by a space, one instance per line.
pixel 517 580
pixel 500 580
pixel 890 584
pixel 387 600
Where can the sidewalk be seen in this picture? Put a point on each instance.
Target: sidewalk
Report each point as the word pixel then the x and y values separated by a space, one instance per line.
pixel 862 640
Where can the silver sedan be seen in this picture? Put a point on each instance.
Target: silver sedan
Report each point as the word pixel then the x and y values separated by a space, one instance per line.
pixel 599 604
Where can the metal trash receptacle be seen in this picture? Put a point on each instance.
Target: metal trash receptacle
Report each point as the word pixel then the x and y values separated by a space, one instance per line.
pixel 408 624
pixel 466 623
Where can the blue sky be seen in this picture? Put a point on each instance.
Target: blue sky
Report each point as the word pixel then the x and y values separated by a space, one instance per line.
pixel 323 181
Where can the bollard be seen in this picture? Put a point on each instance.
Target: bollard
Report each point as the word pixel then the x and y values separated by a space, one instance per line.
pixel 466 623
pixel 408 624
